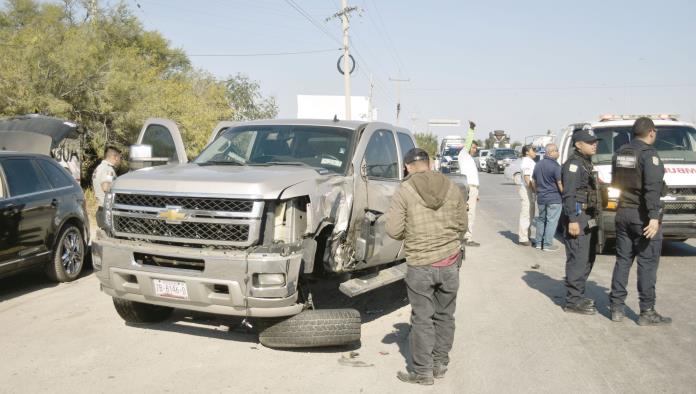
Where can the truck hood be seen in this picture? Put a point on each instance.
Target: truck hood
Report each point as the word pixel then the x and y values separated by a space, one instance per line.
pixel 675 174
pixel 249 182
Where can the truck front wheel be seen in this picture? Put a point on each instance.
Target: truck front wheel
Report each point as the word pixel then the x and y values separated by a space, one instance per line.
pixel 312 328
pixel 139 313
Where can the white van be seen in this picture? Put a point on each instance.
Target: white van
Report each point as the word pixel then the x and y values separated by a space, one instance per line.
pixel 676 146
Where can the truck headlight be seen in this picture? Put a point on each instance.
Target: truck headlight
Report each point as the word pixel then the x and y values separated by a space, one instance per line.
pixel 613 193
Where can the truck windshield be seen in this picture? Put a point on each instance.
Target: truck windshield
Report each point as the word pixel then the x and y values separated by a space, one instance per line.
pixel 452 151
pixel 314 146
pixel 504 154
pixel 673 143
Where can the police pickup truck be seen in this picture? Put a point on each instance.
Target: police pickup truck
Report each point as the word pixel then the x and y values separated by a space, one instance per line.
pixel 676 146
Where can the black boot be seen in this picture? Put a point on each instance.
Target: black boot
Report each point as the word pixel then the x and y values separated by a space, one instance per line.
pixel 439 371
pixel 649 317
pixel 410 377
pixel 581 308
pixel 617 313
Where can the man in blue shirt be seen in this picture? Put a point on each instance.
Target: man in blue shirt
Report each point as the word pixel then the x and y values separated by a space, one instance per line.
pixel 548 186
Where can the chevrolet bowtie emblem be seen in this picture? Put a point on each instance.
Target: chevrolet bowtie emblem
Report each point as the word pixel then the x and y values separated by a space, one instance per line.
pixel 172 215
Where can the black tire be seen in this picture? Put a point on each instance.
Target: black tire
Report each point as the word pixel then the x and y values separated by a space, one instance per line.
pixel 68 256
pixel 139 313
pixel 313 328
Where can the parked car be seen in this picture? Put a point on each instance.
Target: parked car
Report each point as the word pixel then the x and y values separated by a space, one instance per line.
pixel 43 219
pixel 676 146
pixel 498 159
pixel 237 231
pixel 483 155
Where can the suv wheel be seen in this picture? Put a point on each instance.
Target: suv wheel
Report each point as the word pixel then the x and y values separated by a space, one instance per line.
pixel 312 328
pixel 137 312
pixel 68 255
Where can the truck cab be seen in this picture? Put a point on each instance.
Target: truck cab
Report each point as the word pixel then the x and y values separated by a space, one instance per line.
pixel 676 146
pixel 237 229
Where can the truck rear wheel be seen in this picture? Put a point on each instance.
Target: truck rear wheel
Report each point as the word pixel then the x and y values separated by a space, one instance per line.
pixel 312 328
pixel 137 312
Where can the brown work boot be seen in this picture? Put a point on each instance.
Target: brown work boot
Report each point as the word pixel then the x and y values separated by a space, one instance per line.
pixel 410 377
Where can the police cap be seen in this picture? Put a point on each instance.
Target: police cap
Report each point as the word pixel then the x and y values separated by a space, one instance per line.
pixel 584 135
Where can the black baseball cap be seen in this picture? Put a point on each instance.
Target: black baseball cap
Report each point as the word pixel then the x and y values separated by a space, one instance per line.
pixel 416 154
pixel 585 135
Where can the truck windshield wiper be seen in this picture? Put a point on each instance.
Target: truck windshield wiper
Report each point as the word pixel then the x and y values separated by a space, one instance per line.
pixel 281 163
pixel 221 163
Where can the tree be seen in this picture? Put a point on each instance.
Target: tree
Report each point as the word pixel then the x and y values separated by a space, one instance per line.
pixel 427 141
pixel 515 144
pixel 99 67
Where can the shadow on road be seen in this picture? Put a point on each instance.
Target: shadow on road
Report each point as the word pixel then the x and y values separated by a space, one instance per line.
pixel 555 290
pixel 203 325
pixel 678 249
pixel 509 235
pixel 29 281
pixel 400 337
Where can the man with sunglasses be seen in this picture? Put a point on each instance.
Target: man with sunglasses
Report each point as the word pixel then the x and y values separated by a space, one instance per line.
pixel 580 211
pixel 638 172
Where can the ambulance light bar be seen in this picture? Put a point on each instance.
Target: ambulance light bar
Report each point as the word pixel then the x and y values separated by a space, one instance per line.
pixel 608 117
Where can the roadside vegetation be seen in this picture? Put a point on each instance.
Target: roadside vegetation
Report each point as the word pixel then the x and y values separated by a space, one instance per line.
pixel 96 65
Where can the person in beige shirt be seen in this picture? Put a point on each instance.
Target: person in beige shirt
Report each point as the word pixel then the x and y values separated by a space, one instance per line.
pixel 102 178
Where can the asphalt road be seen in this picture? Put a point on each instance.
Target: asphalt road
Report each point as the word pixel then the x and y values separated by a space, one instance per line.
pixel 512 335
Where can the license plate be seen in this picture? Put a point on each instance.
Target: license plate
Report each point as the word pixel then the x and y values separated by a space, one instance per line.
pixel 170 289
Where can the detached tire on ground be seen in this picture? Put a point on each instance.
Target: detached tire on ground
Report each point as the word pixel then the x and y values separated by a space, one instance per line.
pixel 139 313
pixel 312 328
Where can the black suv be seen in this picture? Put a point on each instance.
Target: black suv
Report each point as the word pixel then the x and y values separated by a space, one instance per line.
pixel 43 220
pixel 499 158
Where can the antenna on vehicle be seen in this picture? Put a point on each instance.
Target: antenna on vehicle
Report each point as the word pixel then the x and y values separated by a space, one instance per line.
pixel 335 119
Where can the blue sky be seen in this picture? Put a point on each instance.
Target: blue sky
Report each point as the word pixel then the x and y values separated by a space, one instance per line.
pixel 521 66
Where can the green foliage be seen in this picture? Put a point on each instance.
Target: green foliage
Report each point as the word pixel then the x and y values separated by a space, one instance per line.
pixel 515 144
pixel 100 68
pixel 427 141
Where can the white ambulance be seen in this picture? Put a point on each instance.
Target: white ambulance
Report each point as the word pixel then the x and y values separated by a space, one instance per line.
pixel 676 146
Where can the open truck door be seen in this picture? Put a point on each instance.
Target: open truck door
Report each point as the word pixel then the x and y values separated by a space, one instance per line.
pixel 159 143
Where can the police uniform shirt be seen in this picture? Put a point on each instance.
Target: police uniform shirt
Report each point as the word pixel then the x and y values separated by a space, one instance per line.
pixel 103 173
pixel 577 183
pixel 639 174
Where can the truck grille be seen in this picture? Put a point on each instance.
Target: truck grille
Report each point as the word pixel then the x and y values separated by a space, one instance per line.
pixel 681 207
pixel 199 203
pixel 187 230
pixel 187 220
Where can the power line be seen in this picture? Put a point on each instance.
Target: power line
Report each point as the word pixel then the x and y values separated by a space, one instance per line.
pixel 390 43
pixel 267 53
pixel 316 24
pixel 588 87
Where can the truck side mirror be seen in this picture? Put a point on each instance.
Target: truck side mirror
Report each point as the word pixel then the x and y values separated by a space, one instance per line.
pixel 363 169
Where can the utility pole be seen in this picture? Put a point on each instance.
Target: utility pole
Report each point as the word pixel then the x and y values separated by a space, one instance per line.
pixel 346 56
pixel 398 95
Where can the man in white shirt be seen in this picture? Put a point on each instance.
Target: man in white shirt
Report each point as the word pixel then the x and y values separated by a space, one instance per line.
pixel 527 195
pixel 467 166
pixel 103 177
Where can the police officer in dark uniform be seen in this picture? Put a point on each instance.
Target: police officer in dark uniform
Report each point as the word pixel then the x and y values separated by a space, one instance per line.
pixel 580 210
pixel 638 173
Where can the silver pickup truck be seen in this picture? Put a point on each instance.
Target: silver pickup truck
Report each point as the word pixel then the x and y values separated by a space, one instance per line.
pixel 236 230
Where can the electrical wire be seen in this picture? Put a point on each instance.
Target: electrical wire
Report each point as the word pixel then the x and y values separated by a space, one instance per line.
pixel 266 53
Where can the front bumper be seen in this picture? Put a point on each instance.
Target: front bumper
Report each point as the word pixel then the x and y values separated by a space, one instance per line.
pixel 226 285
pixel 673 226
